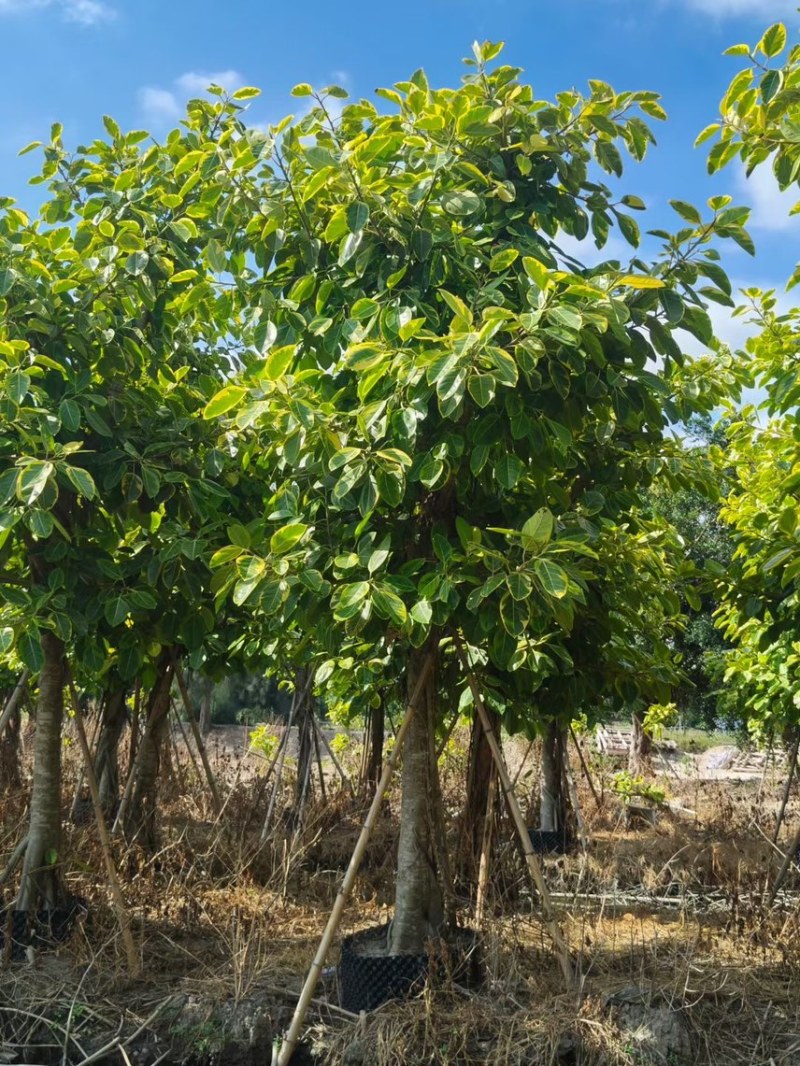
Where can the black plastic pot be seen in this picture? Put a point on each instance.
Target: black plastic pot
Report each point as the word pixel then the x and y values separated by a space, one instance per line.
pixel 44 930
pixel 368 978
pixel 547 842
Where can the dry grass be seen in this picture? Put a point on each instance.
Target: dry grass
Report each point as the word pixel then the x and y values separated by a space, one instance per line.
pixel 675 910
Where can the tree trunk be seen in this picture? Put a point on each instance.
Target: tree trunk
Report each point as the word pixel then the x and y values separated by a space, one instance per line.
pixel 479 777
pixel 641 744
pixel 107 760
pixel 418 898
pixel 140 823
pixel 553 810
pixel 10 775
pixel 305 738
pixel 41 880
pixel 372 765
pixel 206 706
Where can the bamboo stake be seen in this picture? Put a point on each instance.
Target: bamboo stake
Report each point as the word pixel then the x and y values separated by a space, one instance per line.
pixel 185 740
pixel 105 840
pixel 14 700
pixel 297 699
pixel 315 734
pixel 201 748
pixel 508 789
pixel 282 1056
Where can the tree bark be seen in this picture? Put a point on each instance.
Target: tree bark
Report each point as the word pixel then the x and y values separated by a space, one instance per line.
pixel 41 880
pixel 305 738
pixel 140 823
pixel 479 776
pixel 373 739
pixel 107 757
pixel 553 811
pixel 418 898
pixel 641 745
pixel 10 775
pixel 206 706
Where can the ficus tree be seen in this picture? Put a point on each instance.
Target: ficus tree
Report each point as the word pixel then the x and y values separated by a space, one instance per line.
pixel 759 125
pixel 118 321
pixel 446 407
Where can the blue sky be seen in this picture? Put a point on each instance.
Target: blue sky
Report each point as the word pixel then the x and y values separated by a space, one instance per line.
pixel 139 60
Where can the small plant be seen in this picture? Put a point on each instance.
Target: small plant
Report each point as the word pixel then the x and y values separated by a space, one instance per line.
pixel 629 788
pixel 340 743
pixel 263 740
pixel 658 717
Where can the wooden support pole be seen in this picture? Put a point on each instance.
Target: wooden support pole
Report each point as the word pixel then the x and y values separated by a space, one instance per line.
pixel 282 1056
pixel 530 856
pixel 321 734
pixel 201 748
pixel 105 840
pixel 14 700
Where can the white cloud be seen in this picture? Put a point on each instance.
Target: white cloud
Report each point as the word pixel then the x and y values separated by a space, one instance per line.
pixel 85 12
pixel 197 82
pixel 161 106
pixel 770 205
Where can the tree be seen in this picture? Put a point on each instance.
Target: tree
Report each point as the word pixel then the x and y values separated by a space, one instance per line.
pixel 760 124
pixel 116 326
pixel 448 407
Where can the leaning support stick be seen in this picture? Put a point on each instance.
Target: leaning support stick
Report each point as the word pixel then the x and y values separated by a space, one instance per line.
pixel 282 1056
pixel 530 856
pixel 201 748
pixel 105 840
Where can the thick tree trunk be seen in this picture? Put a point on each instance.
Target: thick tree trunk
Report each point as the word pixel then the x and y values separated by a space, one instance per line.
pixel 418 898
pixel 641 744
pixel 41 882
pixel 140 823
pixel 553 796
pixel 206 706
pixel 479 777
pixel 107 758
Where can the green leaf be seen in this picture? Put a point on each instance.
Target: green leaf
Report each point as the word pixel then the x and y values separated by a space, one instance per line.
pixel 41 523
pixel 116 610
pixel 279 361
pixel 551 577
pixel 357 216
pixel 519 585
pixel 225 555
pixel 136 263
pixel 349 246
pixel 32 479
pixel 461 202
pixel 225 400
pixel 508 470
pixel 481 388
pixel 773 41
pixel 389 605
pixel 503 260
pixel 538 530
pixel 672 304
pixel 29 649
pixel 69 414
pixel 6 639
pixel 287 537
pixel 129 661
pixel 81 480
pixel 17 386
pixel 303 89
pixel 687 211
pixel 350 600
pixel 247 92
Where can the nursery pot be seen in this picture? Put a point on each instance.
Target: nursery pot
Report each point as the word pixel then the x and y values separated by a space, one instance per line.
pixel 369 976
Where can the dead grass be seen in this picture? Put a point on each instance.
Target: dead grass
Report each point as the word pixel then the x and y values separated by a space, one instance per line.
pixel 675 910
